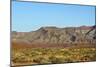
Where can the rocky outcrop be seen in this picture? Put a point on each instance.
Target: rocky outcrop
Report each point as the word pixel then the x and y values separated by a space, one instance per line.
pixel 54 35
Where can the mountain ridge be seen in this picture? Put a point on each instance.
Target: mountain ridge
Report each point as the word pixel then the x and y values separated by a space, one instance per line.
pixel 55 35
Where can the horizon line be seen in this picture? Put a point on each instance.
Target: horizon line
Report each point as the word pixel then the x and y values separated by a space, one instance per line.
pixel 55 27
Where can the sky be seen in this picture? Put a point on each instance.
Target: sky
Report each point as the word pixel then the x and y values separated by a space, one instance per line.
pixel 30 16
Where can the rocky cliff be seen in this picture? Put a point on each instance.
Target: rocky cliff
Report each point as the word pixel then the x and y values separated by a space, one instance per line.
pixel 54 35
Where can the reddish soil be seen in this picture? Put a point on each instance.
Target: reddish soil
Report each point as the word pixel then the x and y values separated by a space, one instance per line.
pixel 41 45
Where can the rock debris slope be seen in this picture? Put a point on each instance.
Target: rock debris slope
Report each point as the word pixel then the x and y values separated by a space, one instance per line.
pixel 54 35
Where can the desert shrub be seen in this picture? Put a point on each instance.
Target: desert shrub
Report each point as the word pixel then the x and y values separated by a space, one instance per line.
pixel 55 59
pixel 53 55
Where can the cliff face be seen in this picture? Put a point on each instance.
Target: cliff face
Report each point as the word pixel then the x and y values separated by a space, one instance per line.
pixel 54 35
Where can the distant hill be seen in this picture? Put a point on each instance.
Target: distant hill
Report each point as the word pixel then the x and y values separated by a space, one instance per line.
pixel 56 36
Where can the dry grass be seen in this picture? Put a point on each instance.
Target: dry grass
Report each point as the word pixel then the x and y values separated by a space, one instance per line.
pixel 27 56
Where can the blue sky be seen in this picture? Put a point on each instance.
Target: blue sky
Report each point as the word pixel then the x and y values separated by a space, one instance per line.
pixel 29 16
